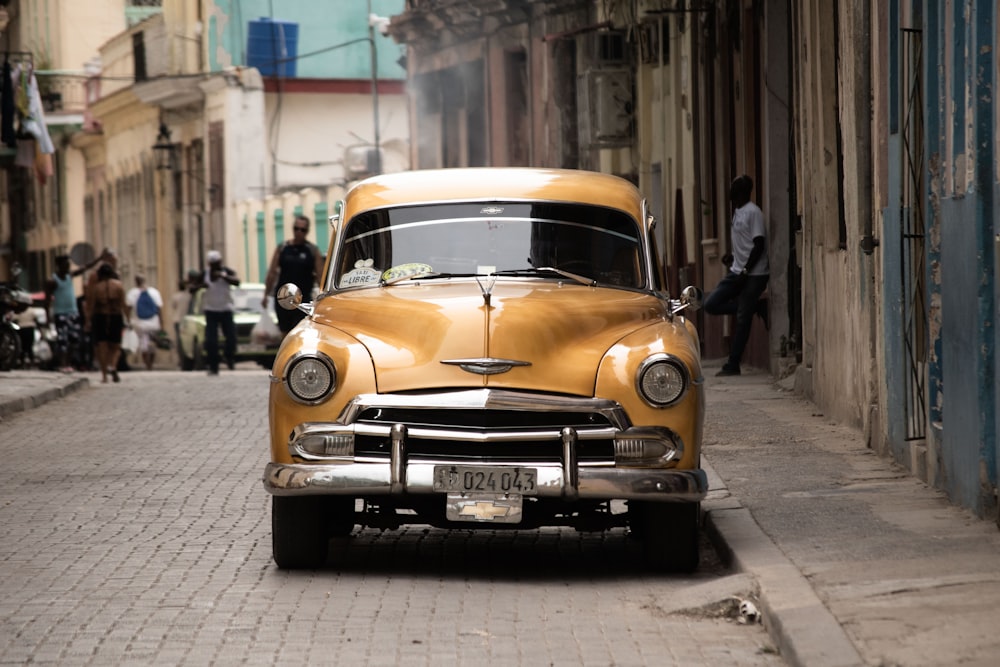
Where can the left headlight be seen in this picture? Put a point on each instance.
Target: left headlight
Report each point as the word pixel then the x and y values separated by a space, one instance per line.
pixel 662 380
pixel 310 378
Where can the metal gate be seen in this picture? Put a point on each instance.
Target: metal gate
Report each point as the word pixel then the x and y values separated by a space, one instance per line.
pixel 911 215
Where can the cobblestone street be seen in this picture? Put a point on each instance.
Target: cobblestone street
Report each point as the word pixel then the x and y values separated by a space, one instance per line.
pixel 137 531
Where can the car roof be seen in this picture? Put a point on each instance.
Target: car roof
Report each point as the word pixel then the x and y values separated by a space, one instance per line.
pixel 494 183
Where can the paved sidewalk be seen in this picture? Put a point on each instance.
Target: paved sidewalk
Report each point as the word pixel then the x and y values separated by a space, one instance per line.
pixel 857 562
pixel 23 390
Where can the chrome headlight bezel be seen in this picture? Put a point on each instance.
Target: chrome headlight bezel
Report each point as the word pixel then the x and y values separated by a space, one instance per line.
pixel 656 364
pixel 296 364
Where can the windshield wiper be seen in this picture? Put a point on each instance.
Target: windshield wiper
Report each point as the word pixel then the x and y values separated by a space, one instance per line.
pixel 431 275
pixel 540 270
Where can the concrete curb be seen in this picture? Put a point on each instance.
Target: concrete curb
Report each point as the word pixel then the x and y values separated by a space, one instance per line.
pixel 805 631
pixel 38 394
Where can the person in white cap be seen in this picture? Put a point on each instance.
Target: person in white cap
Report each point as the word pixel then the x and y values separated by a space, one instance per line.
pixel 218 306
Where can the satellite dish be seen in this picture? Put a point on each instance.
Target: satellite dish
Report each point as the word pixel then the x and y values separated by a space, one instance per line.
pixel 82 254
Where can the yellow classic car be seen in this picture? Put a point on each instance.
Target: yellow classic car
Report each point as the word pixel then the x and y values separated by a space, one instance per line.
pixel 494 348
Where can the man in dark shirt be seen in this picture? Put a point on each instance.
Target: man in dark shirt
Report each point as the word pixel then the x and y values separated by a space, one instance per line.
pixel 296 261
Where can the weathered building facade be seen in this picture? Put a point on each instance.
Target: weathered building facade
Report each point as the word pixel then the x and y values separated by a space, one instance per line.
pixel 870 130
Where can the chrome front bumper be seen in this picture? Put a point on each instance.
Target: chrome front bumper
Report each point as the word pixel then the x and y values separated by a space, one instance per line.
pixel 363 479
pixel 405 472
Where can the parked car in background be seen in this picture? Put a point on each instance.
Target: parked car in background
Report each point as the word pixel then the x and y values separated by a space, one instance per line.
pixel 247 311
pixel 493 348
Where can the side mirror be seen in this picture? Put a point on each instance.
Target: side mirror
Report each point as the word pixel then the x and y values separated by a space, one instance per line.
pixel 691 298
pixel 289 296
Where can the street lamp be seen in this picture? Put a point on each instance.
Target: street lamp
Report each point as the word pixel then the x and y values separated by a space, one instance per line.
pixel 163 149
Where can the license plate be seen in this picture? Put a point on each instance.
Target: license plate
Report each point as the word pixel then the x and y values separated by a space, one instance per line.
pixel 249 348
pixel 485 479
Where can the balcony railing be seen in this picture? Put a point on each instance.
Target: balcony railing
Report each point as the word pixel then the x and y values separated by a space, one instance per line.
pixel 62 91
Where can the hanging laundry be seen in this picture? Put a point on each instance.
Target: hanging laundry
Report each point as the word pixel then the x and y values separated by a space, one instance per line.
pixel 29 104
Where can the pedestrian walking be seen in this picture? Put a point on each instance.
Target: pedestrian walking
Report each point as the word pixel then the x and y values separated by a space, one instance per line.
pixel 217 304
pixel 738 293
pixel 296 261
pixel 143 304
pixel 61 310
pixel 106 319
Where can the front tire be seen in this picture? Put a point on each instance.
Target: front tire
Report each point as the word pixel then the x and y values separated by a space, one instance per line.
pixel 187 363
pixel 301 528
pixel 10 349
pixel 198 361
pixel 670 534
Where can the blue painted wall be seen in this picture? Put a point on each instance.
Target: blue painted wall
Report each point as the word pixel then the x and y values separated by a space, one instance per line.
pixel 326 31
pixel 962 224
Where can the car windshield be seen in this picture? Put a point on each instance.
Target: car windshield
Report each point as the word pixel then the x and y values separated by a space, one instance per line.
pixel 515 238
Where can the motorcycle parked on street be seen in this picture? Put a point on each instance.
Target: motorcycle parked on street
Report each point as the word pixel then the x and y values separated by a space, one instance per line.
pixel 13 300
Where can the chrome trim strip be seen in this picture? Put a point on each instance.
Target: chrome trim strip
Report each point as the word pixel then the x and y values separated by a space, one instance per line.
pixel 486 399
pixel 315 429
pixel 372 479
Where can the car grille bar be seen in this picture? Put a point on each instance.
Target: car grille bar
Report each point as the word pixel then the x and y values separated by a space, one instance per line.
pixel 491 400
pixel 397 474
pixel 569 464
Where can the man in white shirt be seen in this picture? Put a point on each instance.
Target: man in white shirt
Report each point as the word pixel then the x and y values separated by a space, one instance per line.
pixel 143 305
pixel 217 303
pixel 738 293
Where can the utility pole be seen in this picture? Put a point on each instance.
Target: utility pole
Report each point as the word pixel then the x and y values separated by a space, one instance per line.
pixel 372 20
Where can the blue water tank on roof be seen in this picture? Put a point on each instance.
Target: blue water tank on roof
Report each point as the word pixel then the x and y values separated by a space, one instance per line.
pixel 272 46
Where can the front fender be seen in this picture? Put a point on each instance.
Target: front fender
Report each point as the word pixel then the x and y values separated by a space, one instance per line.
pixel 355 375
pixel 616 380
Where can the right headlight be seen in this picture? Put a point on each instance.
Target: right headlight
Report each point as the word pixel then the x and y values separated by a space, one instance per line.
pixel 662 380
pixel 310 378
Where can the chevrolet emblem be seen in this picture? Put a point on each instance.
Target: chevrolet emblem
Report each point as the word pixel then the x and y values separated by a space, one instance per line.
pixel 484 510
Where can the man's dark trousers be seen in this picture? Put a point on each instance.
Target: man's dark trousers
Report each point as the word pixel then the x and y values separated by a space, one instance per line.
pixel 213 320
pixel 736 295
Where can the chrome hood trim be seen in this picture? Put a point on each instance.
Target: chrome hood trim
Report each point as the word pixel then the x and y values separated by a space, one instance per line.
pixel 485 365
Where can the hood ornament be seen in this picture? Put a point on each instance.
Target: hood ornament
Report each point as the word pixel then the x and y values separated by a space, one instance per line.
pixel 485 365
pixel 487 289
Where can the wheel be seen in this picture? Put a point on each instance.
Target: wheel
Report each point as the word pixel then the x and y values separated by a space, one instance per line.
pixel 301 528
pixel 198 362
pixel 10 349
pixel 187 363
pixel 669 534
pixel 299 538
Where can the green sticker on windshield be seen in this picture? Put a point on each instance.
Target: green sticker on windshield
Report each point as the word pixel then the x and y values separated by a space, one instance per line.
pixel 406 271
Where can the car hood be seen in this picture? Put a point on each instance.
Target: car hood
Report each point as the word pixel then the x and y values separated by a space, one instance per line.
pixel 417 333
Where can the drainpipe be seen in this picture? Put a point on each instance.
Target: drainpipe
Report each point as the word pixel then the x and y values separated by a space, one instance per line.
pixel 864 111
pixel 863 114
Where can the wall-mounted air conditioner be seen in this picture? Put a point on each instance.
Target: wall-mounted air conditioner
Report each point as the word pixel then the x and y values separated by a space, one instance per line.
pixel 605 104
pixel 362 161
